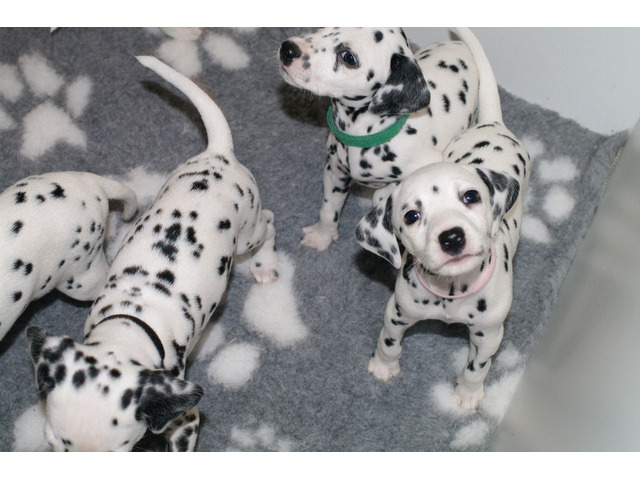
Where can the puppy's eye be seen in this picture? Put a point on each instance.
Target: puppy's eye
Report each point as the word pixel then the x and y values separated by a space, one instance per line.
pixel 348 58
pixel 470 196
pixel 411 217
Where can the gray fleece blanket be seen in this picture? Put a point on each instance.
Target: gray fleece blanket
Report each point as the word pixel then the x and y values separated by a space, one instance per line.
pixel 284 366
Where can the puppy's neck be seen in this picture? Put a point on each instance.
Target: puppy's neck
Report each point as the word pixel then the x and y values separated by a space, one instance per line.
pixel 125 341
pixel 352 116
pixel 453 287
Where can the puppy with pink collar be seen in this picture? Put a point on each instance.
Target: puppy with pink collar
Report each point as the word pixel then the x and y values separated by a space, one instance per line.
pixel 459 223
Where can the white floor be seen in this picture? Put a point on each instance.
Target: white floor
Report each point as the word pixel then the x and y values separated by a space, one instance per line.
pixel 581 389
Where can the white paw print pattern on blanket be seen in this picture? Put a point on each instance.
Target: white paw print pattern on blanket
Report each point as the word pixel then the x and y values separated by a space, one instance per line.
pixel 261 437
pixel 183 48
pixel 509 364
pixel 270 310
pixel 58 105
pixel 547 189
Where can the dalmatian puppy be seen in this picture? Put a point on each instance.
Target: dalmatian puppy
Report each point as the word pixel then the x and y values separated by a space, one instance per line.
pixel 166 280
pixel 51 237
pixel 459 224
pixel 391 111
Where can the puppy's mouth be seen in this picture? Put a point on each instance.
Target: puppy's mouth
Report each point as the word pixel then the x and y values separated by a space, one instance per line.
pixel 287 77
pixel 461 259
pixel 284 72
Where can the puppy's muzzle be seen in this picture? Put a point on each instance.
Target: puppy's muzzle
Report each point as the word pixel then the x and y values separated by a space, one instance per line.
pixel 452 241
pixel 289 51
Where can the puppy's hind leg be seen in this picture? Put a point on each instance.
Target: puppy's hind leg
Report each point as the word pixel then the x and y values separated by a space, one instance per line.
pixel 87 285
pixel 264 259
pixel 385 363
pixel 12 305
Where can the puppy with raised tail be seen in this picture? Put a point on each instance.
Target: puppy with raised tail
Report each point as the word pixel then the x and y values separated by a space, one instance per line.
pixel 166 280
pixel 391 111
pixel 459 221
pixel 52 236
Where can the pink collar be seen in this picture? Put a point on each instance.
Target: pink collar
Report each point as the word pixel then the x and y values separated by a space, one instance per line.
pixel 475 288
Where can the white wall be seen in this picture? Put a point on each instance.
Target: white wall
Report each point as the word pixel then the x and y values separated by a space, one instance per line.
pixel 591 75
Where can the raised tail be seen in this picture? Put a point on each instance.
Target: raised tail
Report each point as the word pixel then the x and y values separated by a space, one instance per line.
pixel 218 131
pixel 489 107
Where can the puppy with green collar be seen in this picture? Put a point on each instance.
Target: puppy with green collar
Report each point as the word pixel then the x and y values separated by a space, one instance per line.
pixel 392 111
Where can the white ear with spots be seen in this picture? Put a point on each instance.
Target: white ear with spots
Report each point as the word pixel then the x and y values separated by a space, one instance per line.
pixel 405 90
pixel 504 191
pixel 165 398
pixel 375 232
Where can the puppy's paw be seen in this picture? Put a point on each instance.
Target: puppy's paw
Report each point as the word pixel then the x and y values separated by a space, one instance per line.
pixel 383 371
pixel 264 272
pixel 467 398
pixel 317 236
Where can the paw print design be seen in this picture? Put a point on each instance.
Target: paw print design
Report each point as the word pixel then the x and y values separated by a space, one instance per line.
pixel 58 105
pixel 271 312
pixel 478 424
pixel 261 437
pixel 184 46
pixel 548 191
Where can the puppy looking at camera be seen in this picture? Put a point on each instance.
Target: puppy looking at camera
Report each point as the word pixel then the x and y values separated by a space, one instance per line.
pixel 459 222
pixel 166 280
pixel 391 111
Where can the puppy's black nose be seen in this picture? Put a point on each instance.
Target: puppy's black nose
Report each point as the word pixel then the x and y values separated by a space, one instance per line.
pixel 452 241
pixel 289 51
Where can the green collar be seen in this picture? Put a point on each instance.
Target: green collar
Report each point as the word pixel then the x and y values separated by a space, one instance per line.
pixel 366 141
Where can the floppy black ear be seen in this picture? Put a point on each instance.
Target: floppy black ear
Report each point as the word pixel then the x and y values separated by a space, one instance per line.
pixel 165 398
pixel 504 191
pixel 375 233
pixel 405 90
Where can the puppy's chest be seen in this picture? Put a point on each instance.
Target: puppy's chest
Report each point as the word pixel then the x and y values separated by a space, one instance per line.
pixel 469 309
pixel 375 166
pixel 427 306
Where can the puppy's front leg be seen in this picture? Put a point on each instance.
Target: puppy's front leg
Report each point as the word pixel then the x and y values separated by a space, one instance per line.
pixel 484 343
pixel 385 363
pixel 336 182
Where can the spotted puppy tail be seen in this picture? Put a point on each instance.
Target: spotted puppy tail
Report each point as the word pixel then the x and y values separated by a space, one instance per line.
pixel 218 131
pixel 119 192
pixel 489 106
